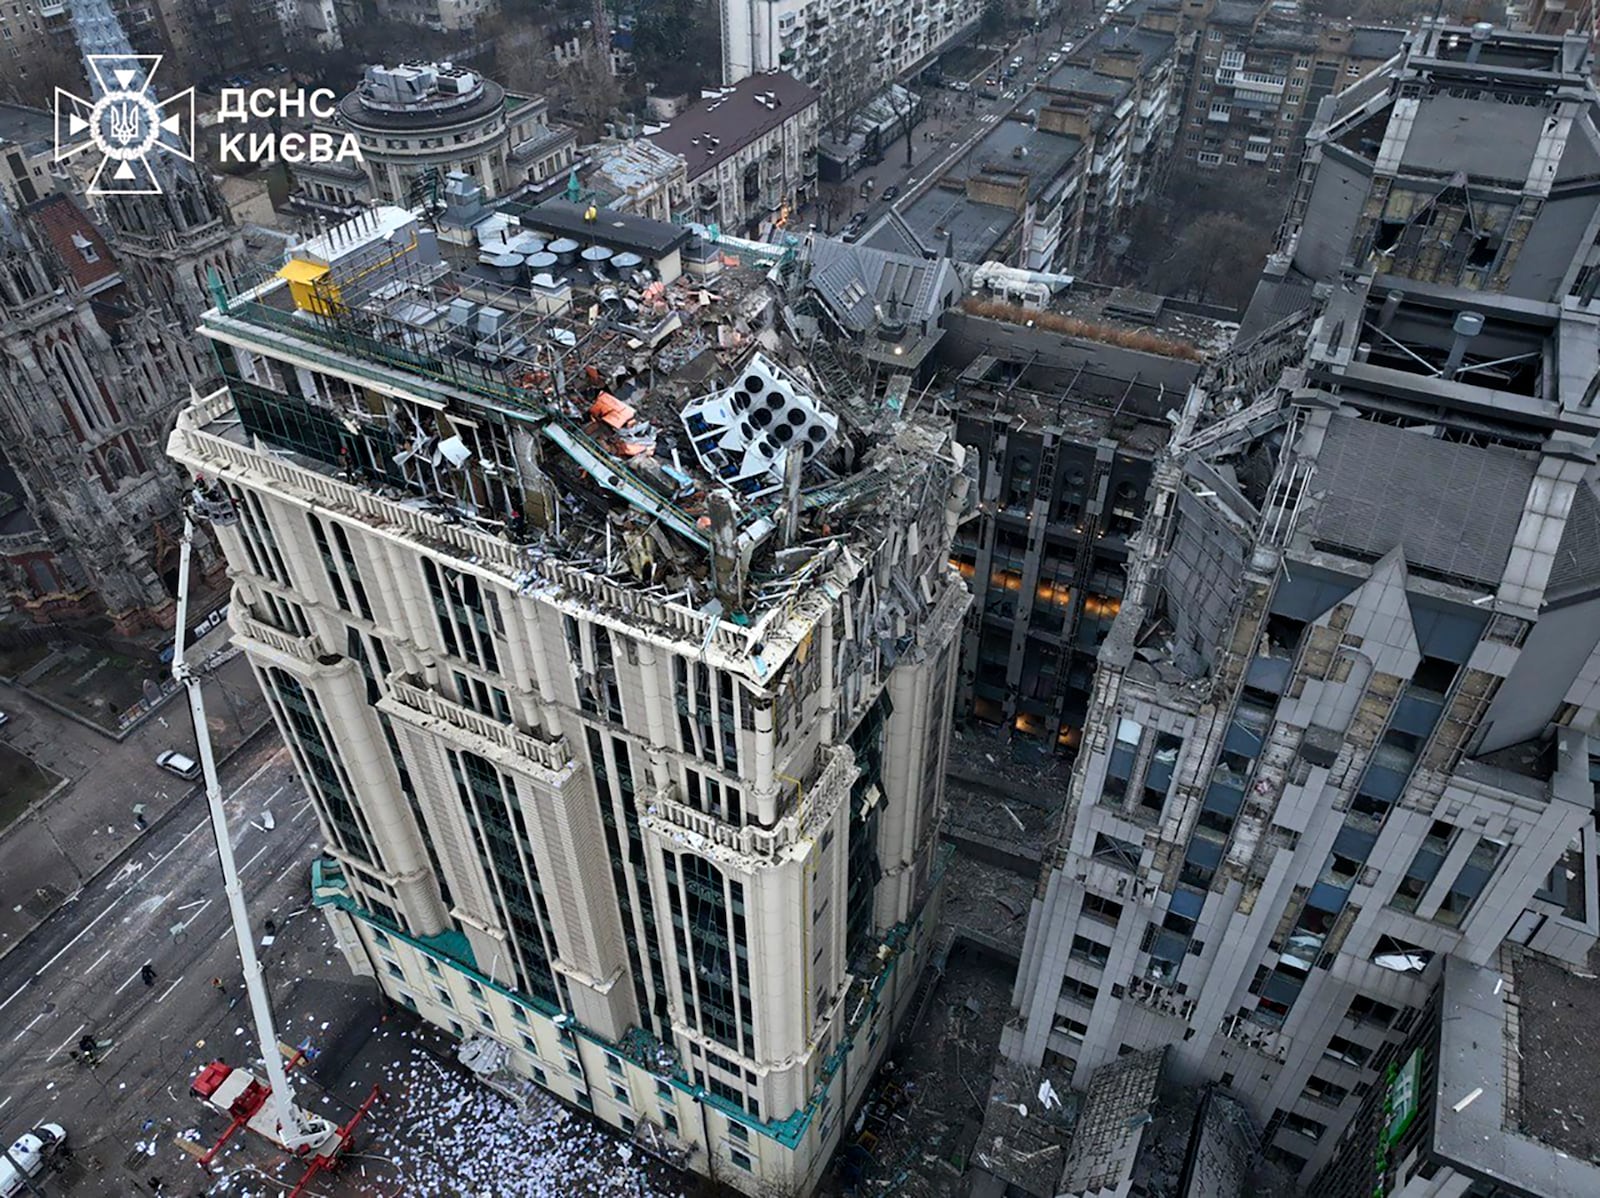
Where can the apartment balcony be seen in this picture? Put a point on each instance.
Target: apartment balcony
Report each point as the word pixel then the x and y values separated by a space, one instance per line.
pixel 1271 85
pixel 421 707
pixel 305 650
pixel 1159 998
pixel 1255 153
pixel 1219 115
pixel 1267 1042
pixel 807 810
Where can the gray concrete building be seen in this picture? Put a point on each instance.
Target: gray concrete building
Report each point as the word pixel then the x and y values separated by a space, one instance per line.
pixel 1050 184
pixel 1065 431
pixel 1338 746
pixel 1488 1096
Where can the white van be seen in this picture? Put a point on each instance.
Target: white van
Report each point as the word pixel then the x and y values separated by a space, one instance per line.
pixel 31 1151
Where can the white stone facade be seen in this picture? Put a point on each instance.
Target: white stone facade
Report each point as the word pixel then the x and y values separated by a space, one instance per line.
pixel 587 822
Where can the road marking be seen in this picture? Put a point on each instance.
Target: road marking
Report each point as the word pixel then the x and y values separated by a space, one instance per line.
pixel 67 1041
pixel 170 988
pixel 97 961
pixel 253 859
pixel 24 1031
pixel 9 1097
pixel 112 905
pixel 196 915
pixel 131 976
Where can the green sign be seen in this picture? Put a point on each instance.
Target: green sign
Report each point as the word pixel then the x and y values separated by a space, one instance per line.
pixel 1402 1104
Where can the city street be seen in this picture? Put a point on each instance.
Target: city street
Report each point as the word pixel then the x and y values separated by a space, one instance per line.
pixel 48 854
pixel 80 975
pixel 956 120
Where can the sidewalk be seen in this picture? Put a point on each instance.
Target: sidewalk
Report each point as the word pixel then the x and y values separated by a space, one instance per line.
pixel 47 855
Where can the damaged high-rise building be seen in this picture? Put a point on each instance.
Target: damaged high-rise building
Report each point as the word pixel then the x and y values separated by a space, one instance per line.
pixel 616 649
pixel 1340 741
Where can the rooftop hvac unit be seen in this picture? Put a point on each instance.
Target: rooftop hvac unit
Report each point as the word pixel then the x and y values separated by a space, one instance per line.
pixel 491 321
pixel 745 434
pixel 461 313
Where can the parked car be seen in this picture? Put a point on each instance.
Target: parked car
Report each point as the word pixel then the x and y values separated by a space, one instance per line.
pixel 178 763
pixel 961 85
pixel 890 193
pixel 27 1157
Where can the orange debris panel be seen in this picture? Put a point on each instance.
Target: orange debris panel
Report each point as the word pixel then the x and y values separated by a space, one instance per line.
pixel 612 410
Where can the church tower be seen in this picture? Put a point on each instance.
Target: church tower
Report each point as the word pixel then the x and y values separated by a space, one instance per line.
pixel 84 411
pixel 167 243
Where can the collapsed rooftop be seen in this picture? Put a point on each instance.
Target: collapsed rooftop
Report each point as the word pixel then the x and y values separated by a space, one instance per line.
pixel 635 399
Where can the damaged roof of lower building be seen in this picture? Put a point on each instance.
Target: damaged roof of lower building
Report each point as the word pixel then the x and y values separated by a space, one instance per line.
pixel 1529 1140
pixel 857 282
pixel 1105 1140
pixel 1451 507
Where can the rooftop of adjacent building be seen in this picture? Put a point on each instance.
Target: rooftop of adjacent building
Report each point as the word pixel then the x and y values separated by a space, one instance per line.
pixel 418 96
pixel 618 169
pixel 1013 150
pixel 1513 1101
pixel 726 121
pixel 77 241
pixel 31 128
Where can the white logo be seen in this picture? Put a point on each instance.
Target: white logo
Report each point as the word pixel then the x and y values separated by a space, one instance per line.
pixel 127 124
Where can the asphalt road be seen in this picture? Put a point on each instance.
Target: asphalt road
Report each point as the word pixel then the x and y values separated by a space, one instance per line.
pixel 80 974
pixel 957 120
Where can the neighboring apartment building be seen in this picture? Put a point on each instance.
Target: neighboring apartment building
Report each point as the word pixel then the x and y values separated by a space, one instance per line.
pixel 634 176
pixel 1341 735
pixel 844 48
pixel 1050 183
pixel 38 51
pixel 1557 17
pixel 441 16
pixel 749 152
pixel 313 22
pixel 27 153
pixel 624 717
pixel 421 120
pixel 1065 430
pixel 1255 74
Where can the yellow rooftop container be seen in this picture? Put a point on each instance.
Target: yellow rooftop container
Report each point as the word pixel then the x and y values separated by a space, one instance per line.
pixel 309 286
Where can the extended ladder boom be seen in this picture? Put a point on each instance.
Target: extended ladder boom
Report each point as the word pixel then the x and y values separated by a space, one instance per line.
pixel 292 1127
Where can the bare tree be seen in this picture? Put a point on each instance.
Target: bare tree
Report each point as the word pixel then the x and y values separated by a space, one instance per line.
pixel 834 200
pixel 1216 260
pixel 588 92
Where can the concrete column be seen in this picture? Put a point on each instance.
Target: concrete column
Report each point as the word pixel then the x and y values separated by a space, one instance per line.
pixel 365 756
pixel 569 846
